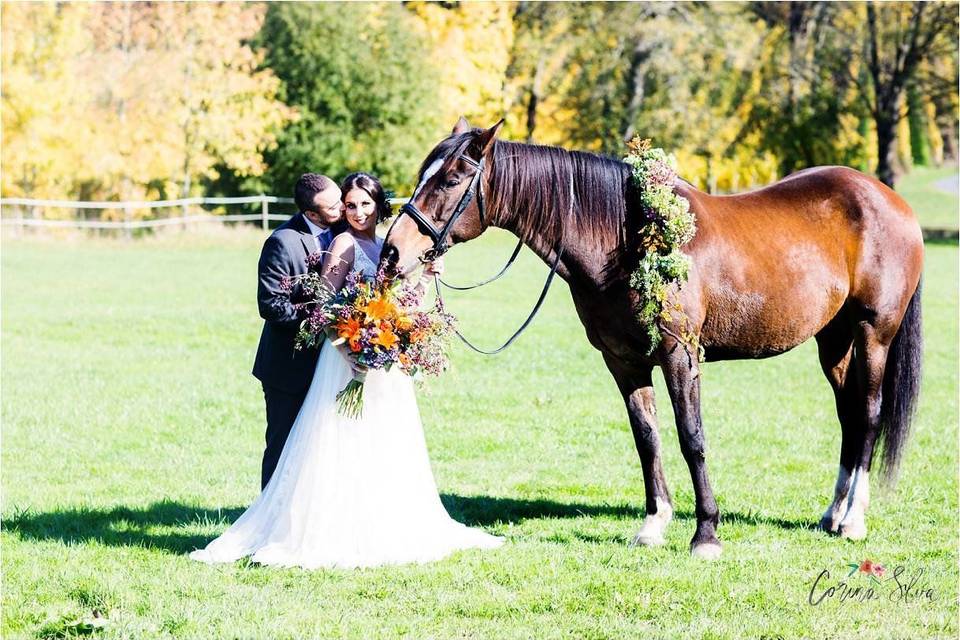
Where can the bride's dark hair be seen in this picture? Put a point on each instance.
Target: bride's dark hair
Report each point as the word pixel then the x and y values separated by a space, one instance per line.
pixel 372 186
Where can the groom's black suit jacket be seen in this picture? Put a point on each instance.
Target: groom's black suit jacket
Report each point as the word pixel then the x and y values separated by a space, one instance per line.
pixel 284 254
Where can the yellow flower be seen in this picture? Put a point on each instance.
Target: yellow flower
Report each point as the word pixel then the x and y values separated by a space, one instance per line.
pixel 385 338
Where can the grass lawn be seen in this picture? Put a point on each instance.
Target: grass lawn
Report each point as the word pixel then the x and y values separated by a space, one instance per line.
pixel 132 434
pixel 934 206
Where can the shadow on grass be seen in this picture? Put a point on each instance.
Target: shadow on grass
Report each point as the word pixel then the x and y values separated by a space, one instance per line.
pixel 167 525
pixel 163 525
pixel 484 511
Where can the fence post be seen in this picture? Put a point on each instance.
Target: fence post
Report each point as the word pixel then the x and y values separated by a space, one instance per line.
pixel 186 213
pixel 127 228
pixel 264 212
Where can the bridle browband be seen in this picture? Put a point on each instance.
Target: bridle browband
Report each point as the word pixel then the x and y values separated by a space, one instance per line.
pixel 441 246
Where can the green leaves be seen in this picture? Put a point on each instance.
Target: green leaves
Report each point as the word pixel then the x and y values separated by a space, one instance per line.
pixel 670 225
pixel 361 77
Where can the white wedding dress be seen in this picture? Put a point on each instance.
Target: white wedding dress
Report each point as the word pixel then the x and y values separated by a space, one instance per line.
pixel 349 493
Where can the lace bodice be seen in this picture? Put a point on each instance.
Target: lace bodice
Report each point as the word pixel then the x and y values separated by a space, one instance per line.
pixel 362 262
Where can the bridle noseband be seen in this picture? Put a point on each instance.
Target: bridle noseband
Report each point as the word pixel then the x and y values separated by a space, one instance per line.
pixel 440 244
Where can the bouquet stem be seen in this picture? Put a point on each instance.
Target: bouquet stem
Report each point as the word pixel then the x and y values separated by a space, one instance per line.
pixel 350 398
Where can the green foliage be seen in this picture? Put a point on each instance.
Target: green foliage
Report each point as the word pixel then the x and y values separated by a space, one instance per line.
pixel 919 138
pixel 360 76
pixel 669 226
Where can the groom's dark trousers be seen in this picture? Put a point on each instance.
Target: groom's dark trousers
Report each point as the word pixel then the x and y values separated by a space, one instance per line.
pixel 284 371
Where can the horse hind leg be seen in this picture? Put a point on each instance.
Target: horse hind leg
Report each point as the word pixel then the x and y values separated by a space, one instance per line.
pixel 871 347
pixel 835 346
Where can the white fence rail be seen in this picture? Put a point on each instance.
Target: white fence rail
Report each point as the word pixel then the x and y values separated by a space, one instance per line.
pixel 19 205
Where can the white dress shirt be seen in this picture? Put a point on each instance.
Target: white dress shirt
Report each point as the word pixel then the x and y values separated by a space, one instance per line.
pixel 318 231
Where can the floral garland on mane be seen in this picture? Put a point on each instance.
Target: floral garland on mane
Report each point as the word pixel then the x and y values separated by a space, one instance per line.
pixel 667 225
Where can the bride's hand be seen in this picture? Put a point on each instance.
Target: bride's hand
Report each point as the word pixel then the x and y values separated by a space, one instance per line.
pixel 433 268
pixel 355 366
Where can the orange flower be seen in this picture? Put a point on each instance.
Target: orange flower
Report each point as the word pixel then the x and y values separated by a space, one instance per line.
pixel 379 308
pixel 866 566
pixel 349 330
pixel 405 360
pixel 386 339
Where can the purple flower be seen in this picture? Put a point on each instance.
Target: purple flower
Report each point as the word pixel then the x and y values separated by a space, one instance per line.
pixel 314 260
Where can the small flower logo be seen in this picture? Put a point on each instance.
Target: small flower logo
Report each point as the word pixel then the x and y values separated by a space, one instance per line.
pixel 875 570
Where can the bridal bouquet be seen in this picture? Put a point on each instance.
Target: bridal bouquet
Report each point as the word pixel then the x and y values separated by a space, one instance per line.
pixel 381 325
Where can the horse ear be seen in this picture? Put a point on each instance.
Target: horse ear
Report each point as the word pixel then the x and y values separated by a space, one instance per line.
pixel 486 138
pixel 462 126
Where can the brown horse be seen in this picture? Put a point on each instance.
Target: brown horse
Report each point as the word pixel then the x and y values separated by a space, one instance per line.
pixel 828 253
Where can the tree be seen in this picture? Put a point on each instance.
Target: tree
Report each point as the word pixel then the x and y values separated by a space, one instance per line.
pixel 545 35
pixel 893 39
pixel 684 75
pixel 806 112
pixel 175 98
pixel 42 91
pixel 473 41
pixel 132 100
pixel 360 76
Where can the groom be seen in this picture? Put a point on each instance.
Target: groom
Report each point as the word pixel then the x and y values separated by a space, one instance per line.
pixel 285 372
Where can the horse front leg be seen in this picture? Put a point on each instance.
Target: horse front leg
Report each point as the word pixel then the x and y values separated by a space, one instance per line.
pixel 681 372
pixel 636 387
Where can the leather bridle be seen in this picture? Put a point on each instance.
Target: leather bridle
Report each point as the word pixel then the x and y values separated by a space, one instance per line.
pixel 441 246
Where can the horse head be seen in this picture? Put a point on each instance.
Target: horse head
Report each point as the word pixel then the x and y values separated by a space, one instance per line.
pixel 447 206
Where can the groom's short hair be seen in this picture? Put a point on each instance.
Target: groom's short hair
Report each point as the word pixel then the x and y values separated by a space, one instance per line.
pixel 307 188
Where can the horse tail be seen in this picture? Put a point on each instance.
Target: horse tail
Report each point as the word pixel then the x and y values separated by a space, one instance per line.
pixel 901 387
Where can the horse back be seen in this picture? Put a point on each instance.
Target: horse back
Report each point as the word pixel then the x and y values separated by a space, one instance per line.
pixel 773 266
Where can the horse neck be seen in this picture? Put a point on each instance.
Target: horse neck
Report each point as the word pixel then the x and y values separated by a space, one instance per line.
pixel 535 196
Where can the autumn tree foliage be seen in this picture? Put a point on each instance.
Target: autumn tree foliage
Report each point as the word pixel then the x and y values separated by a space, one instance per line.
pixel 133 100
pixel 145 100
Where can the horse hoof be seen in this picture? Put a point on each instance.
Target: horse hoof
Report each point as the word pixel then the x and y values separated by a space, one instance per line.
pixel 853 530
pixel 828 524
pixel 648 539
pixel 706 550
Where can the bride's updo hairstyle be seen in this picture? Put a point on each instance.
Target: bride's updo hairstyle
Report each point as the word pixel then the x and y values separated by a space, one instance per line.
pixel 372 186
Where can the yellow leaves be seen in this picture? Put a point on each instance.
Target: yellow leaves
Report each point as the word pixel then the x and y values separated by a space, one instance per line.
pixel 639 145
pixel 473 39
pixel 110 100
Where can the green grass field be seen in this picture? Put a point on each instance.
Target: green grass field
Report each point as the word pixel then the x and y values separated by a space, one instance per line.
pixel 132 434
pixel 934 206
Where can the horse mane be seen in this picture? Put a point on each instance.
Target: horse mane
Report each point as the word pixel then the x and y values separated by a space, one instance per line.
pixel 552 193
pixel 548 192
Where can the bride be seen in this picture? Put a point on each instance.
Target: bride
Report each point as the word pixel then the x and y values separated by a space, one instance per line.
pixel 350 492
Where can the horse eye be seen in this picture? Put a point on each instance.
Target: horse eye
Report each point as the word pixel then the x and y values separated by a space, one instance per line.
pixel 450 184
